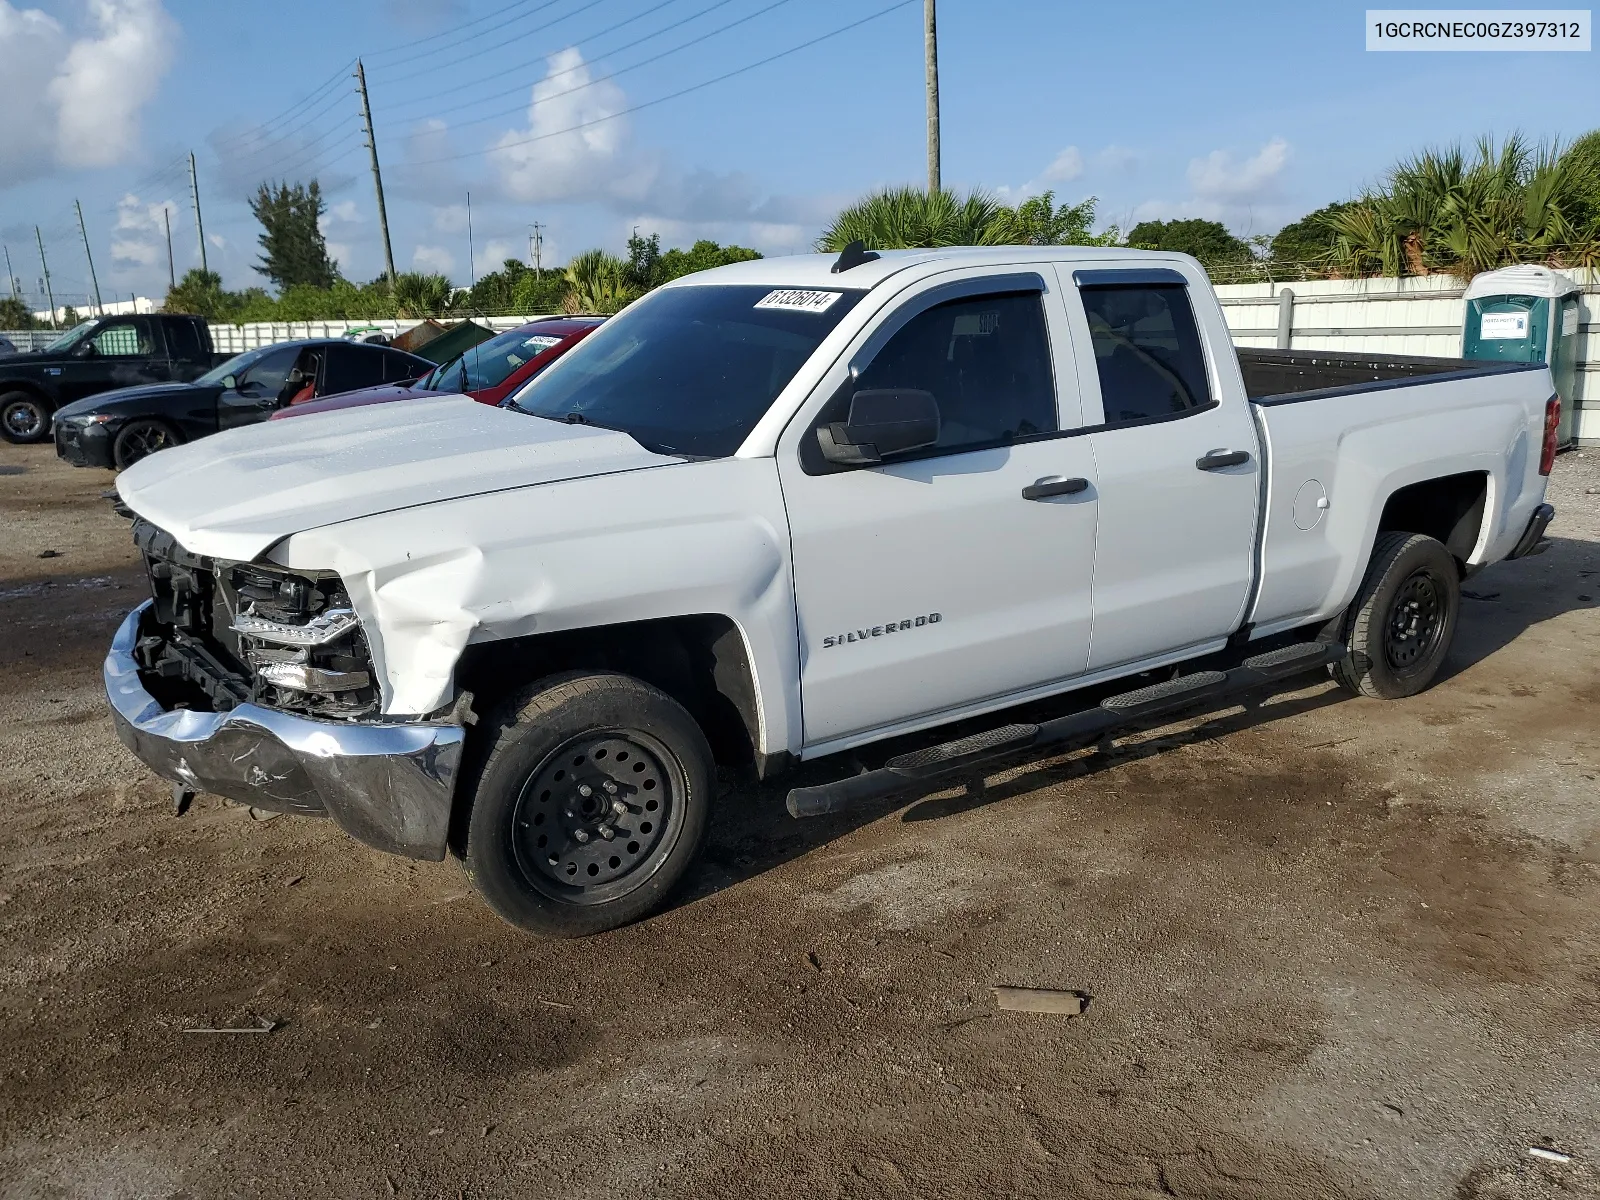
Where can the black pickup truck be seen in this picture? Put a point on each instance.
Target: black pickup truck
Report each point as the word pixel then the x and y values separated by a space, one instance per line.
pixel 105 353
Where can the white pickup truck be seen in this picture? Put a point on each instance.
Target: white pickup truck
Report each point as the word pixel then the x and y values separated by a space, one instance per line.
pixel 784 509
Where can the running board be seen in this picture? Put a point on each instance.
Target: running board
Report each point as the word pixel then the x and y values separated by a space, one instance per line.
pixel 1074 730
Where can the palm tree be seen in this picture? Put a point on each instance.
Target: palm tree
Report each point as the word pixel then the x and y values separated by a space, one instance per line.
pixel 597 283
pixel 907 218
pixel 1440 211
pixel 418 295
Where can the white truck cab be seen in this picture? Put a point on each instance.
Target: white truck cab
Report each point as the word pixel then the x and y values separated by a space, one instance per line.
pixel 787 508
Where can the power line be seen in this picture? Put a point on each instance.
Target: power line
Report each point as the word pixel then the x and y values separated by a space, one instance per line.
pixel 643 62
pixel 523 87
pixel 456 29
pixel 499 32
pixel 771 58
pixel 316 94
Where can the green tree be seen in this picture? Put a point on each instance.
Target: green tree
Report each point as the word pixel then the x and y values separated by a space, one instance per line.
pixel 910 218
pixel 14 314
pixel 1039 221
pixel 201 293
pixel 702 256
pixel 598 282
pixel 1209 241
pixel 418 295
pixel 644 259
pixel 1310 238
pixel 496 292
pixel 1443 211
pixel 293 248
pixel 70 317
pixel 538 293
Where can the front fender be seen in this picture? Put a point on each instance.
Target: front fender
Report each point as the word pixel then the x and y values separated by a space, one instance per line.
pixel 678 540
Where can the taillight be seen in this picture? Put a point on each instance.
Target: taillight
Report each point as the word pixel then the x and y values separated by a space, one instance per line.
pixel 1552 421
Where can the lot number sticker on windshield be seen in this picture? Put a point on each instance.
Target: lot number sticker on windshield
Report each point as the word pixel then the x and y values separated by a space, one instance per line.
pixel 798 301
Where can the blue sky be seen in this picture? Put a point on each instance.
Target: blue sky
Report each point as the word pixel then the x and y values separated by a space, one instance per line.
pixel 1250 113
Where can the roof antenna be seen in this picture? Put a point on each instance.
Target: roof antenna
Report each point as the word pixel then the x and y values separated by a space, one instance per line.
pixel 853 255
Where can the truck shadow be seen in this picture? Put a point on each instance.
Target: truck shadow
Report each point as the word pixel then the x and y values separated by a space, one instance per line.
pixel 752 832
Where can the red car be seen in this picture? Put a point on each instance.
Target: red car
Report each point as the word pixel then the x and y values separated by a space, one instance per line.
pixel 489 372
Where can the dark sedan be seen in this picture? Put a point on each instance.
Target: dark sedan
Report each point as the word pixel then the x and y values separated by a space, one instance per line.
pixel 489 372
pixel 118 428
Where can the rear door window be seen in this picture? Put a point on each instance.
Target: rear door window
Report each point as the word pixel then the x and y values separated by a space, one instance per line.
pixel 1147 351
pixel 350 367
pixel 399 368
pixel 184 338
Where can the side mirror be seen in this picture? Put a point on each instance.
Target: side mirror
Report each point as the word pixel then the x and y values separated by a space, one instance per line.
pixel 85 350
pixel 883 421
pixel 229 383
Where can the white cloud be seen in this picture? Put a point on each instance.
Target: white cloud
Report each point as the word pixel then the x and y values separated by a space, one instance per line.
pixel 106 79
pixel 1065 167
pixel 1115 159
pixel 339 251
pixel 1219 177
pixel 573 146
pixel 450 218
pixel 140 230
pixel 142 254
pixel 346 211
pixel 217 240
pixel 433 259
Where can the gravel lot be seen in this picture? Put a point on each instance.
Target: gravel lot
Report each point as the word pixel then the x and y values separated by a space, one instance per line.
pixel 1333 947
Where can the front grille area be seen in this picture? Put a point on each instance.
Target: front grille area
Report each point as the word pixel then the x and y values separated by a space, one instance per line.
pixel 223 633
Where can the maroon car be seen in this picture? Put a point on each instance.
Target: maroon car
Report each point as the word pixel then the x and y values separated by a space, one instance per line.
pixel 488 372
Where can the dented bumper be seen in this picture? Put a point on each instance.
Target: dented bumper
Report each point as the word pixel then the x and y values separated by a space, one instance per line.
pixel 388 785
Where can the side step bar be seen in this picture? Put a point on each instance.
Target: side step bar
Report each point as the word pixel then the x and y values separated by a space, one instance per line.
pixel 1076 729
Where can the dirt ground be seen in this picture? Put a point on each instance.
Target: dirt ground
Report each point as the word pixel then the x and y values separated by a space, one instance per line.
pixel 1333 947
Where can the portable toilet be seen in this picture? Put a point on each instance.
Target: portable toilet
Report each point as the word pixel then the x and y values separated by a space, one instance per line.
pixel 1527 314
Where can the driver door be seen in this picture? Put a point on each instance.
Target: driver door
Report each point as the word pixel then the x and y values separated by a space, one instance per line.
pixel 943 580
pixel 256 394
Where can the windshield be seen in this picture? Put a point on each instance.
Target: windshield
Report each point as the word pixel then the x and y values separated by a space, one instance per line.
pixel 488 363
pixel 688 370
pixel 235 366
pixel 71 337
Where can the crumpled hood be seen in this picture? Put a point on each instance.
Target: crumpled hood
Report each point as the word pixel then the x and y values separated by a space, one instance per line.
pixel 233 495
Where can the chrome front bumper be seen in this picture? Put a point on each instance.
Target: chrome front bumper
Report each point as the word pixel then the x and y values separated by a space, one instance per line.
pixel 389 786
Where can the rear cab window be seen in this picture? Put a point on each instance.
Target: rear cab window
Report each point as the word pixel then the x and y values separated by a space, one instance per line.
pixel 1148 353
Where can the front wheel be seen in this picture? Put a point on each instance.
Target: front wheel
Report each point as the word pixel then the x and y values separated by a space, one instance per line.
pixel 590 806
pixel 140 439
pixel 23 418
pixel 1402 620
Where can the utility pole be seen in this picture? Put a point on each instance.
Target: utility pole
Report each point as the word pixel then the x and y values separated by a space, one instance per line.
pixel 172 274
pixel 48 293
pixel 12 279
pixel 377 176
pixel 536 249
pixel 931 45
pixel 100 309
pixel 472 262
pixel 199 226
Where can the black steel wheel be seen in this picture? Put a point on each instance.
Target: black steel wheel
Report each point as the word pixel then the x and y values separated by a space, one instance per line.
pixel 589 806
pixel 140 439
pixel 23 418
pixel 595 813
pixel 1400 626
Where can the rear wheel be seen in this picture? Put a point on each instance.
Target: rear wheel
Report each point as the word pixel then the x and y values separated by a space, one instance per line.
pixel 590 806
pixel 24 418
pixel 1402 620
pixel 140 439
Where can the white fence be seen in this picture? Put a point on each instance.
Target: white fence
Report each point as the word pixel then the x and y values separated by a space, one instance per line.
pixel 234 339
pixel 1392 316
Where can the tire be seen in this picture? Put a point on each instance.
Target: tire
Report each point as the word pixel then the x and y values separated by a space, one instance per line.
pixel 24 418
pixel 650 777
pixel 1401 623
pixel 140 439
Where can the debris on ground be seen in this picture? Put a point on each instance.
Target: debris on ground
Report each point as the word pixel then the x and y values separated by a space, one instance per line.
pixel 263 1027
pixel 1549 1155
pixel 1056 1001
pixel 49 554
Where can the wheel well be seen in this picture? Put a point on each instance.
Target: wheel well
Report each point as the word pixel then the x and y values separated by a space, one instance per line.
pixel 1448 509
pixel 699 661
pixel 28 389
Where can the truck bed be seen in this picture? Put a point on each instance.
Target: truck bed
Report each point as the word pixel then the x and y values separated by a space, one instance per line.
pixel 1275 375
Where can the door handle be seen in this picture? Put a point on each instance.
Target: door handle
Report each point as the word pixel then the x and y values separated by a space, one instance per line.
pixel 1054 485
pixel 1217 459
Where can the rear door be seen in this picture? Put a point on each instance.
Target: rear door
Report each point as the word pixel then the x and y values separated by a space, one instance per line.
pixel 932 583
pixel 1178 465
pixel 186 349
pixel 349 366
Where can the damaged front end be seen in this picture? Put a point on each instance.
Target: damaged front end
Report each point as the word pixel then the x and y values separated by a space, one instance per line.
pixel 257 684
